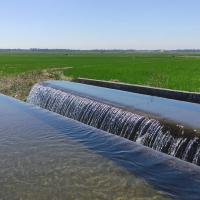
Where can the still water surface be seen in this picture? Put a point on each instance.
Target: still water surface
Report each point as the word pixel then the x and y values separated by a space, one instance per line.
pixel 47 156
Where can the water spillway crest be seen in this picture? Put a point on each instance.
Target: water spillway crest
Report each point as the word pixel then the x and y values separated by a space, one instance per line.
pixel 173 140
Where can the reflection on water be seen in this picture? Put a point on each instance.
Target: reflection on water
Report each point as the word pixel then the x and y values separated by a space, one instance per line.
pixel 38 161
pixel 184 113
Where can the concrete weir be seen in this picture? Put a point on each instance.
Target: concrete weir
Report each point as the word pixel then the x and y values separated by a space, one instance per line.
pixel 192 97
pixel 165 125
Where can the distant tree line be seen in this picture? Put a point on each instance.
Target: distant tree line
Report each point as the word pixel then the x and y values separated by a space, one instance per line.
pixel 96 50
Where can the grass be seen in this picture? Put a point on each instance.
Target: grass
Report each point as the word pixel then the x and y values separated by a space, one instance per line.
pixel 179 71
pixel 158 70
pixel 19 85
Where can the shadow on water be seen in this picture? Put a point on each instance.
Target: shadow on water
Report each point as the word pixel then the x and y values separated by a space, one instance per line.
pixel 178 179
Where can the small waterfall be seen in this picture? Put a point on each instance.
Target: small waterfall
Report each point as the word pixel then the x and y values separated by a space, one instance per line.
pixel 171 139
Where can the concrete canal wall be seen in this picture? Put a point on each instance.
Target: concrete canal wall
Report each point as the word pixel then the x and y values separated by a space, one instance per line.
pixel 153 91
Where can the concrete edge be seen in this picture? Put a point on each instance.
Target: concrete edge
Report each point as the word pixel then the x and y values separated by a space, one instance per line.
pixel 153 91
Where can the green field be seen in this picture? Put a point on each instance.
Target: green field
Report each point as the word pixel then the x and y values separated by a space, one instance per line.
pixel 179 71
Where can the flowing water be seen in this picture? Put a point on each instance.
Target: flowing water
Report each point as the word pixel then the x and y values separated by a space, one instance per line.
pixel 180 112
pixel 47 156
pixel 172 139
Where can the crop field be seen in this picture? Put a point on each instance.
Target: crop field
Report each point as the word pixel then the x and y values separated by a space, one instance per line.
pixel 179 71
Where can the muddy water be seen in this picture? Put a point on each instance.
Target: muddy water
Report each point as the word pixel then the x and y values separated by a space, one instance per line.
pixel 47 156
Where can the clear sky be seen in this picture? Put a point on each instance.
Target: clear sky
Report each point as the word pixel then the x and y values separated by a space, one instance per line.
pixel 100 24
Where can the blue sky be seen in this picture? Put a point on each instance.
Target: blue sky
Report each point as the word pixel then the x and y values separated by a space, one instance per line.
pixel 100 24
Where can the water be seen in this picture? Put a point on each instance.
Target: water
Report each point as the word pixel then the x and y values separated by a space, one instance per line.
pixel 41 161
pixel 180 112
pixel 169 138
pixel 47 156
